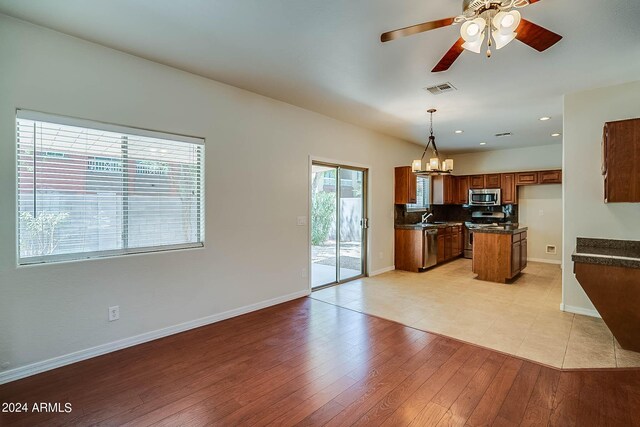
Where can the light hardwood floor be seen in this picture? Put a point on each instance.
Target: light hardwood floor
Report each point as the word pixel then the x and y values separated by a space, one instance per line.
pixel 522 319
pixel 307 363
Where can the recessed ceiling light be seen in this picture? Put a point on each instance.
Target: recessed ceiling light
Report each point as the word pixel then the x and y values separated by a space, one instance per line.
pixel 544 119
pixel 556 134
pixel 483 143
pixel 459 131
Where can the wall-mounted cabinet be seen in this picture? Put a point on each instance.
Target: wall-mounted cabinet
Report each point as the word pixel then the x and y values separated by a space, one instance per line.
pixel 406 184
pixel 476 182
pixel 550 177
pixel 509 189
pixel 444 190
pixel 462 196
pixel 621 161
pixel 492 181
pixel 526 178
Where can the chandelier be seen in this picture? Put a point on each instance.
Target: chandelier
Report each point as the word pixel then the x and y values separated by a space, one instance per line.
pixel 490 20
pixel 435 166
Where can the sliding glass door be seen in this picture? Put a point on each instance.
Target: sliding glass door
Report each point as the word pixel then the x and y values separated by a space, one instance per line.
pixel 338 224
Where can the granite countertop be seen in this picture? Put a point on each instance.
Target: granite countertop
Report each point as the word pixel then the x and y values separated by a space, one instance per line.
pixel 427 226
pixel 614 253
pixel 501 229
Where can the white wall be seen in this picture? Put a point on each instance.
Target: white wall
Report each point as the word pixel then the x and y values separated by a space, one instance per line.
pixel 540 209
pixel 585 213
pixel 515 159
pixel 254 250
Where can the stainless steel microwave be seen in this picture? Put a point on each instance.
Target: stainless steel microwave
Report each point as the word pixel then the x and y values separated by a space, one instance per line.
pixel 490 197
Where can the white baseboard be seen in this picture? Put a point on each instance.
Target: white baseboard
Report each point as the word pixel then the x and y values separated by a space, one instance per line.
pixel 546 261
pixel 67 359
pixel 382 271
pixel 580 310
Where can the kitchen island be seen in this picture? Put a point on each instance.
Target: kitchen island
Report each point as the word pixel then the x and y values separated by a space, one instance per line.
pixel 499 253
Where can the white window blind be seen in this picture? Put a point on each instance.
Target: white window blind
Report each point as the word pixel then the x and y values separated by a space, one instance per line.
pixel 89 189
pixel 423 195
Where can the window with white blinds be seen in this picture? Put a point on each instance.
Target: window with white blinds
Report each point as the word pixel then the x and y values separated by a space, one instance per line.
pixel 423 195
pixel 88 189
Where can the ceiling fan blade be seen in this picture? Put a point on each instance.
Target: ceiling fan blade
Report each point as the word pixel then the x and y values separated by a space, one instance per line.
pixel 450 57
pixel 415 29
pixel 536 36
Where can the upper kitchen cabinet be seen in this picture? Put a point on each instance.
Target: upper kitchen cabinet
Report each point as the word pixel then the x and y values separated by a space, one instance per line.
pixel 406 183
pixel 492 181
pixel 462 196
pixel 621 161
pixel 444 190
pixel 509 189
pixel 550 177
pixel 476 182
pixel 526 178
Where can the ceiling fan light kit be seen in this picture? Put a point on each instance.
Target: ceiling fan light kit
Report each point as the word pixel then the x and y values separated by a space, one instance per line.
pixel 495 21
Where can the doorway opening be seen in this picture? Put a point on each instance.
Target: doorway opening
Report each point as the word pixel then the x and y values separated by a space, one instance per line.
pixel 338 224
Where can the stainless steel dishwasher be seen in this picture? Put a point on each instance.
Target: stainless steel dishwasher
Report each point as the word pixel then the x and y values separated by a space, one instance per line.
pixel 429 248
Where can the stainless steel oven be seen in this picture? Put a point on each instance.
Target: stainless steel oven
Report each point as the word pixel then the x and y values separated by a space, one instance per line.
pixel 489 197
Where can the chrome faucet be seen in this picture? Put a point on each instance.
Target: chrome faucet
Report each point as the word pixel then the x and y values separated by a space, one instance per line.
pixel 425 216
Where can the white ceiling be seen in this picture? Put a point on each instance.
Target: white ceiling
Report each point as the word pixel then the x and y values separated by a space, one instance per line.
pixel 325 55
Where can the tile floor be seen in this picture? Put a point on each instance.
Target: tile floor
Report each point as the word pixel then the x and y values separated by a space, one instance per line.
pixel 523 319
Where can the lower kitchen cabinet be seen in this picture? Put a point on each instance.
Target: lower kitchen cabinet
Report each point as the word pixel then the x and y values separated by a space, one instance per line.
pixel 518 253
pixel 409 247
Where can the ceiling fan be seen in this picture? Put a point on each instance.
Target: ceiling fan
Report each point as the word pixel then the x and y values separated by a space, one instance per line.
pixel 496 21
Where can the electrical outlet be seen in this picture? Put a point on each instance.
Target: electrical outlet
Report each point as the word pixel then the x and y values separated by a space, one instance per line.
pixel 380 255
pixel 303 272
pixel 541 212
pixel 114 313
pixel 302 221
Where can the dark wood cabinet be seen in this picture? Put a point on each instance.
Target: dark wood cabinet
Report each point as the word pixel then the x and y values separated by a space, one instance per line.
pixel 518 253
pixel 515 258
pixel 526 178
pixel 499 257
pixel 509 189
pixel 621 161
pixel 448 246
pixel 441 248
pixel 406 183
pixel 492 181
pixel 409 246
pixel 523 254
pixel 408 250
pixel 476 181
pixel 550 177
pixel 462 196
pixel 444 190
